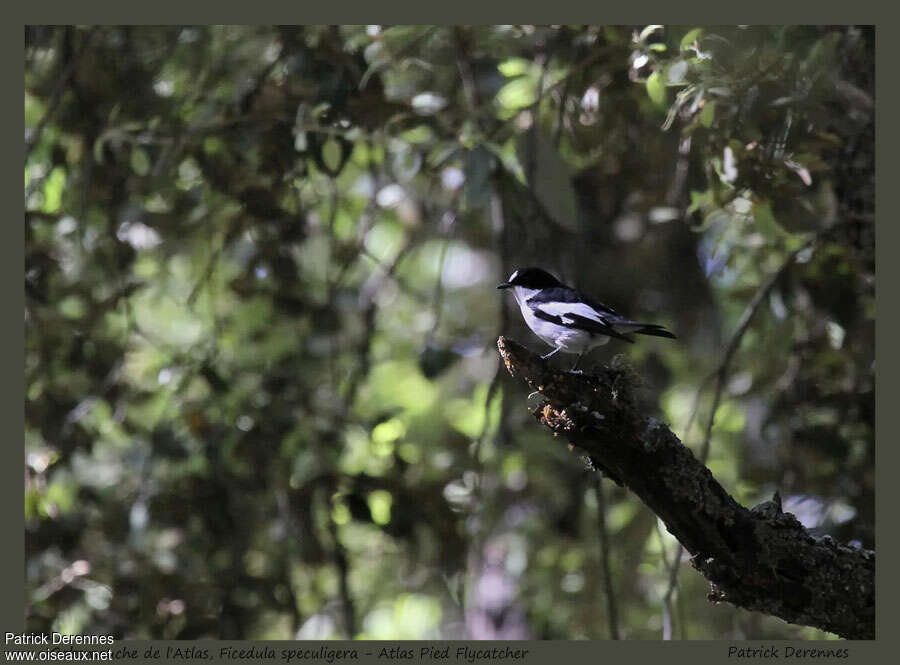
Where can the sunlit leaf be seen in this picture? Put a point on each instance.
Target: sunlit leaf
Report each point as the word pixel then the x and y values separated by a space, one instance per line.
pixel 332 154
pixel 140 162
pixel 649 30
pixel 514 67
pixel 518 93
pixel 380 504
pixel 656 89
pixel 690 37
pixel 53 190
pixel 708 114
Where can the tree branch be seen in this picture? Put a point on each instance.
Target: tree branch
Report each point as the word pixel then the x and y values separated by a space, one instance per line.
pixel 760 559
pixel 720 374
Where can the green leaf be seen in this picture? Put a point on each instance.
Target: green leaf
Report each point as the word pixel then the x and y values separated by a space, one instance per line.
pixel 655 89
pixel 140 162
pixel 388 431
pixel 331 154
pixel 514 67
pixel 53 190
pixel 72 307
pixel 549 178
pixel 708 114
pixel 700 200
pixel 649 30
pixel 419 134
pixel 518 93
pixel 688 40
pixel 380 505
pixel 765 220
pixel 508 157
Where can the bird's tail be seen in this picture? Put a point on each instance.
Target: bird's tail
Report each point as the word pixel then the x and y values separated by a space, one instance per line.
pixel 655 330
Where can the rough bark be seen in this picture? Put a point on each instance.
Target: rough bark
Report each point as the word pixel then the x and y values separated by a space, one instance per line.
pixel 760 559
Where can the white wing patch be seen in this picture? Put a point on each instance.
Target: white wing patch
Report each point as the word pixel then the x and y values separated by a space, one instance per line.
pixel 561 309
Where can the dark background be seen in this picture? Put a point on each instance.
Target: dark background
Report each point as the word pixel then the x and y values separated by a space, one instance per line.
pixel 262 394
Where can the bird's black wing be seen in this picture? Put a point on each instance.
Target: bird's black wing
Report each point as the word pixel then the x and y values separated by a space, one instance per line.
pixel 565 294
pixel 603 319
pixel 578 322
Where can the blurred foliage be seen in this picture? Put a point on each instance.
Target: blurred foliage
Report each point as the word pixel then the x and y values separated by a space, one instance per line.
pixel 263 397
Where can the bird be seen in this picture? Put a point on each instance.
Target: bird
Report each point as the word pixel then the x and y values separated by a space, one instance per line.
pixel 568 320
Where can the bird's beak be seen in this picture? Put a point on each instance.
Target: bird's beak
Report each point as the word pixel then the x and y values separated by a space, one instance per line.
pixel 505 285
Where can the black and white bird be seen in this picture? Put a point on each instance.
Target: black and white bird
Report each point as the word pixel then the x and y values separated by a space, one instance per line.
pixel 568 320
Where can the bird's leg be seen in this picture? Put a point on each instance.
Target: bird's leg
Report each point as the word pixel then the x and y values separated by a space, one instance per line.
pixel 551 353
pixel 577 360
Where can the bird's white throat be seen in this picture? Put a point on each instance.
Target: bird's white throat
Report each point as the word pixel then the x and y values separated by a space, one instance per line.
pixel 522 294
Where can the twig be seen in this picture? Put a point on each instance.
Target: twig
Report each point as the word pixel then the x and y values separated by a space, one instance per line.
pixel 368 305
pixel 389 270
pixel 340 560
pixel 612 614
pixel 437 298
pixel 670 568
pixel 287 558
pixel 560 114
pixel 466 74
pixel 365 223
pixel 205 276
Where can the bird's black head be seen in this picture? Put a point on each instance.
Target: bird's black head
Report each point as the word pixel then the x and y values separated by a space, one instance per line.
pixel 531 278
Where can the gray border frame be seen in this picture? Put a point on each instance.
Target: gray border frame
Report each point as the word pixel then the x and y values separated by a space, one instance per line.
pixel 12 554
